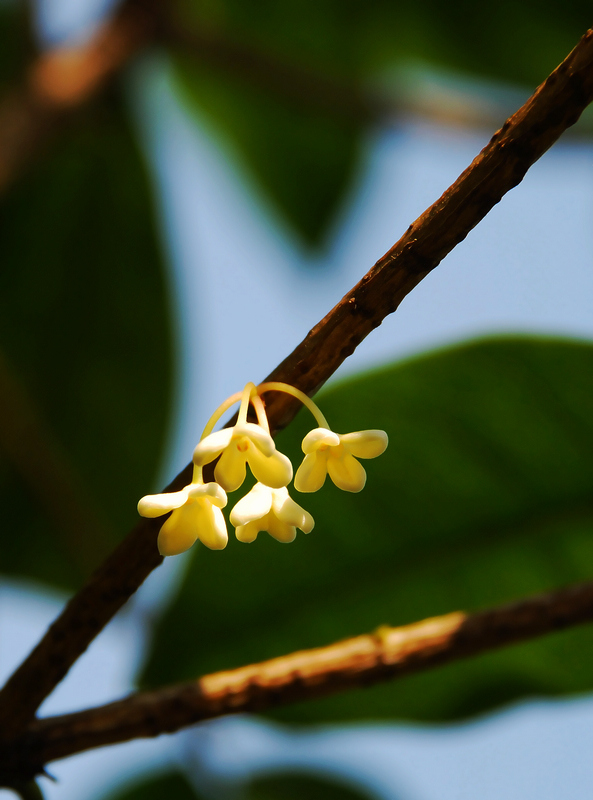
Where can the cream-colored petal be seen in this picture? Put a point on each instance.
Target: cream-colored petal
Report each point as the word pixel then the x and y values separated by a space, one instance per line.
pixel 214 493
pixel 212 526
pixel 274 471
pixel 291 513
pixel 230 471
pixel 210 447
pixel 155 505
pixel 310 476
pixel 254 505
pixel 365 444
pixel 180 531
pixel 260 438
pixel 347 473
pixel 318 437
pixel 248 533
pixel 308 523
pixel 280 530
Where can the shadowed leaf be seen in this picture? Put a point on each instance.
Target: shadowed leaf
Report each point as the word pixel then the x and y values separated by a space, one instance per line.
pixel 84 331
pixel 171 787
pixel 299 786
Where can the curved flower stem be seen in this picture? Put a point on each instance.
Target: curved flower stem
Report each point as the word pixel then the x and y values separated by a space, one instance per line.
pixel 260 410
pixel 245 400
pixel 278 386
pixel 197 476
pixel 222 408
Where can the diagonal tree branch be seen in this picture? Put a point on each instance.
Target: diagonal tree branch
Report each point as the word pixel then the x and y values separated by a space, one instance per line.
pixel 501 165
pixel 386 654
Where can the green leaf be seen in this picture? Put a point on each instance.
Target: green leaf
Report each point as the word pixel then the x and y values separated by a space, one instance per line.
pixel 173 787
pixel 15 42
pixel 302 157
pixel 298 786
pixel 484 495
pixel 85 350
pixel 290 89
pixel 355 40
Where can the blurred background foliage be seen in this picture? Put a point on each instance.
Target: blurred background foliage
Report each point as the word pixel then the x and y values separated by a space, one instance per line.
pixel 288 786
pixel 485 492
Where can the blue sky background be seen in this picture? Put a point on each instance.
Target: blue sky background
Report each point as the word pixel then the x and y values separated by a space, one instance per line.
pixel 527 267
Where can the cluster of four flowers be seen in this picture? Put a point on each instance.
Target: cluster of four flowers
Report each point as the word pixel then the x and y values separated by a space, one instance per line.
pixel 197 508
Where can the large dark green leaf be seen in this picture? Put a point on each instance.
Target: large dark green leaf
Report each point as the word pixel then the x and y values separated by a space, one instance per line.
pixel 85 337
pixel 484 495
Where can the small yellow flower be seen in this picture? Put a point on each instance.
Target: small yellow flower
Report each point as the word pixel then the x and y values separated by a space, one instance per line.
pixel 336 454
pixel 196 515
pixel 246 443
pixel 271 510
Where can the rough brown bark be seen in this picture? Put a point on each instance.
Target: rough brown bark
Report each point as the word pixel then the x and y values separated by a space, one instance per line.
pixel 386 654
pixel 500 166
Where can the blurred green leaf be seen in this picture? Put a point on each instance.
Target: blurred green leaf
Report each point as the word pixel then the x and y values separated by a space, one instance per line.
pixel 483 496
pixel 301 787
pixel 171 787
pixel 516 43
pixel 259 75
pixel 85 333
pixel 519 43
pixel 15 41
pixel 303 158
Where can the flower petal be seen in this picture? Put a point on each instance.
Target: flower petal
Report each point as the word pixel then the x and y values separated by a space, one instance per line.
pixel 280 530
pixel 180 531
pixel 347 473
pixel 210 447
pixel 317 437
pixel 365 444
pixel 212 526
pixel 155 505
pixel 274 471
pixel 248 533
pixel 260 438
pixel 214 493
pixel 291 513
pixel 231 470
pixel 254 505
pixel 311 474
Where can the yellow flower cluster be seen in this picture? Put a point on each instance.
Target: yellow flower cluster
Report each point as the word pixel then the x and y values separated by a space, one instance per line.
pixel 267 507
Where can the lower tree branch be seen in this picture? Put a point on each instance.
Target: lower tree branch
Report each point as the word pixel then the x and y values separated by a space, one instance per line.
pixel 386 654
pixel 501 165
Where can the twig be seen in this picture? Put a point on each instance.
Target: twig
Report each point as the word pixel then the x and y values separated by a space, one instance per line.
pixel 364 660
pixel 556 105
